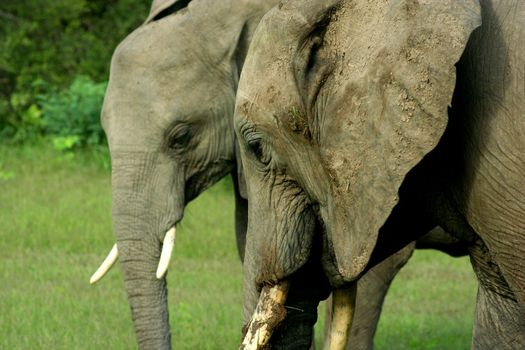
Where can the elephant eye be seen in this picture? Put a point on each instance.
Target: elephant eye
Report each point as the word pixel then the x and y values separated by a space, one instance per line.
pixel 254 143
pixel 180 137
pixel 256 148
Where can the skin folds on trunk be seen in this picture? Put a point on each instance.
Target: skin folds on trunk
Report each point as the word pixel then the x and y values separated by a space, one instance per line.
pixel 139 235
pixel 147 295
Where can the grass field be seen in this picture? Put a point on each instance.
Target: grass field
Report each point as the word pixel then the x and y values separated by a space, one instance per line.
pixel 55 229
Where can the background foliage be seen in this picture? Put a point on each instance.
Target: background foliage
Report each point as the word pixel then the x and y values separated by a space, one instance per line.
pixel 54 62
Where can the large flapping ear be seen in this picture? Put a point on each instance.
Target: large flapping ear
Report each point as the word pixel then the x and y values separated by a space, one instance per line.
pixel 162 8
pixel 392 86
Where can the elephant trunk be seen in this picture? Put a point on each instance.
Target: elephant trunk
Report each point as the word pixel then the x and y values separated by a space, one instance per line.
pixel 147 295
pixel 143 210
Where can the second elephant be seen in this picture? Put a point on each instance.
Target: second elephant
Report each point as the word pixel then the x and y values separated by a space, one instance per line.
pixel 167 116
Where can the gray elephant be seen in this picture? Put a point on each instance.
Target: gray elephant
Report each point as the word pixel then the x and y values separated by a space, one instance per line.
pixel 353 123
pixel 373 286
pixel 129 102
pixel 168 118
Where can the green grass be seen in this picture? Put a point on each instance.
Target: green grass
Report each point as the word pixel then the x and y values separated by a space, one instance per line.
pixel 430 305
pixel 55 229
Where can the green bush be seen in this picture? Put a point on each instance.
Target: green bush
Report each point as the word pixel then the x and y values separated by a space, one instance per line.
pixel 72 116
pixel 21 114
pixel 55 41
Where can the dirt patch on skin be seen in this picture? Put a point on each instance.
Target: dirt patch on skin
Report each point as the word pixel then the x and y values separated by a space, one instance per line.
pixel 270 312
pixel 278 313
pixel 298 122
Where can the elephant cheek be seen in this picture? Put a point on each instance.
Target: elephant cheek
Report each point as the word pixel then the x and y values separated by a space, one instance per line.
pixel 284 252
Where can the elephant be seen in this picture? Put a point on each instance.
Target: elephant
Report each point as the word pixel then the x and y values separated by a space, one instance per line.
pixel 363 125
pixel 168 118
pixel 123 96
pixel 373 286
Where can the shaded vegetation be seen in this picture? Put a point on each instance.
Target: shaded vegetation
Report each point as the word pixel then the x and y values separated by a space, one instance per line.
pixel 45 49
pixel 72 115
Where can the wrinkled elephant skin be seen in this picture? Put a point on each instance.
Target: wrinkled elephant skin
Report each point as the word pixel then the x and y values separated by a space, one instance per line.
pixel 378 121
pixel 168 118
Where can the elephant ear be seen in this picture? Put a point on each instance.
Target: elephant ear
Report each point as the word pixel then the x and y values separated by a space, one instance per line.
pixel 394 77
pixel 163 8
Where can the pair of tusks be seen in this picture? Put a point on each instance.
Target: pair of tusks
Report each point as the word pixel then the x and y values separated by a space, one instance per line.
pixel 270 312
pixel 164 261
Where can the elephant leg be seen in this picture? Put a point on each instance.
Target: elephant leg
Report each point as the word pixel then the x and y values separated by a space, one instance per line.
pixel 500 319
pixel 371 292
pixel 499 322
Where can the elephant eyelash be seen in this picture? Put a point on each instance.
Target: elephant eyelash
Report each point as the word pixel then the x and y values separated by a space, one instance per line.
pixel 255 145
pixel 259 150
pixel 180 137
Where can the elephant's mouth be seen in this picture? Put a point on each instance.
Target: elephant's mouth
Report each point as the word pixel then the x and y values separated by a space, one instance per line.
pixel 309 284
pixel 271 311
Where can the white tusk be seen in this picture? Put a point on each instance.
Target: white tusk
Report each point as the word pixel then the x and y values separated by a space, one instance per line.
pixel 343 307
pixel 165 255
pixel 269 312
pixel 106 265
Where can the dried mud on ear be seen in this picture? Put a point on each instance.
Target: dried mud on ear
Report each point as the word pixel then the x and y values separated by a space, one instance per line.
pixel 386 108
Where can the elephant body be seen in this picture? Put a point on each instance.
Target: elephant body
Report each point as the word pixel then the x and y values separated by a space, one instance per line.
pixel 167 115
pixel 367 128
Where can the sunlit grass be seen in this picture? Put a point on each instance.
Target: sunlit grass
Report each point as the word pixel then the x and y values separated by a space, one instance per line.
pixel 430 305
pixel 55 229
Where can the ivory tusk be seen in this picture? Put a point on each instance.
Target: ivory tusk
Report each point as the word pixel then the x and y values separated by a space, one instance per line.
pixel 268 314
pixel 165 255
pixel 106 265
pixel 343 308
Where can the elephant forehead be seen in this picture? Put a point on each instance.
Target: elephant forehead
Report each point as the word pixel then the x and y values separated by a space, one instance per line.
pixel 248 109
pixel 269 97
pixel 155 46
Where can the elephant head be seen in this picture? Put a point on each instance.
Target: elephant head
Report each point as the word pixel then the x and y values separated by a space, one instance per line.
pixel 337 102
pixel 168 114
